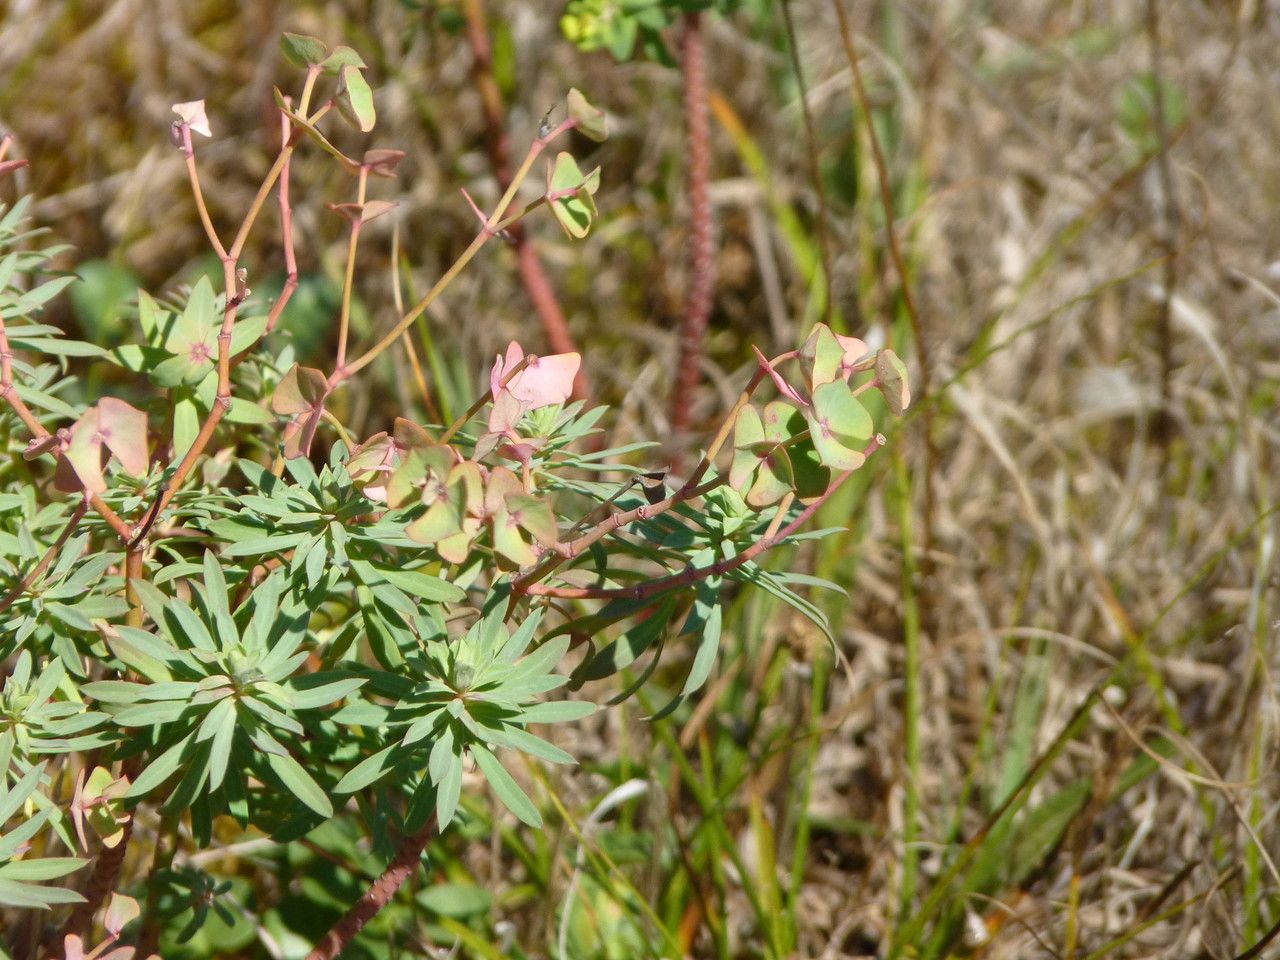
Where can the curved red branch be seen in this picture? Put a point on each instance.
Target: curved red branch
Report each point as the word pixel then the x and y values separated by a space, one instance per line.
pixel 692 574
pixel 377 896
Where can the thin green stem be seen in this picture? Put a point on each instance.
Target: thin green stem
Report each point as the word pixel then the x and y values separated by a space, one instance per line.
pixel 341 430
pixel 222 400
pixel 403 324
pixel 286 151
pixel 260 199
pixel 899 264
pixel 800 854
pixel 193 175
pixel 815 168
pixel 308 87
pixel 911 700
pixel 410 351
pixel 348 282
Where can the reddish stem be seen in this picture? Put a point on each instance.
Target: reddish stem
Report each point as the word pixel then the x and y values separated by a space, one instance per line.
pixel 133 574
pixel 498 145
pixel 403 866
pixel 688 491
pixel 692 574
pixel 47 559
pixel 286 232
pixel 193 175
pixel 645 511
pixel 700 283
pixel 226 362
pixel 488 229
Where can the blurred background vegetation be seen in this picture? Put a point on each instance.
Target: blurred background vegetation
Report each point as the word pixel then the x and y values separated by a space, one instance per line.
pixel 1049 726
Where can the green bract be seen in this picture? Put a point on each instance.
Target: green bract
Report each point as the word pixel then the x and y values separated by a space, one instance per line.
pixel 891 378
pixel 591 120
pixel 839 426
pixel 572 195
pixel 302 50
pixel 356 98
pixel 760 461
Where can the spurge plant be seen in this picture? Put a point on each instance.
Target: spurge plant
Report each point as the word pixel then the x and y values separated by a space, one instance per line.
pixel 217 607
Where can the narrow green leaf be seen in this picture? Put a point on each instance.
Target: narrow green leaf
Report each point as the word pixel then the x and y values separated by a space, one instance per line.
pixel 369 770
pixel 191 784
pixel 46 868
pixel 39 296
pixel 542 660
pixel 217 596
pixel 623 651
pixel 141 651
pixel 114 691
pixel 16 839
pixel 321 689
pixel 159 770
pixel 513 738
pixel 185 624
pixel 20 791
pixel 57 346
pixel 448 790
pixel 441 752
pixel 256 546
pixel 223 738
pixel 24 895
pixel 148 714
pixel 505 786
pixel 708 643
pixel 299 782
pixel 413 582
pixel 557 711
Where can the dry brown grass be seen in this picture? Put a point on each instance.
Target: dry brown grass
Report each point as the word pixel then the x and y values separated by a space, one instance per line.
pixel 1070 534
